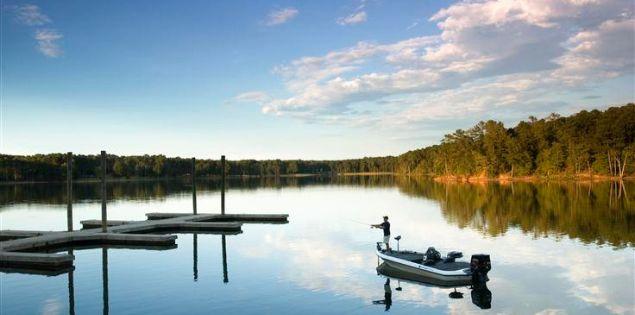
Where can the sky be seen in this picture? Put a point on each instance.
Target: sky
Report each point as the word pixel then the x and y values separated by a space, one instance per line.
pixel 299 80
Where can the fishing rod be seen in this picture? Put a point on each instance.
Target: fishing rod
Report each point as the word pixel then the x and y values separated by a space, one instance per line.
pixel 358 222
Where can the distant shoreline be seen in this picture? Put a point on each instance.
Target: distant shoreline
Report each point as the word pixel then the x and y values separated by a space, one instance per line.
pixel 443 179
pixel 530 178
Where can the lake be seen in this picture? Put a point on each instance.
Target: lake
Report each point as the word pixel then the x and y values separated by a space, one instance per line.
pixel 556 248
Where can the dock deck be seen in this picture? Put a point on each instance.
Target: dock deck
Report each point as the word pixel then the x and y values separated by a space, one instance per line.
pixel 32 249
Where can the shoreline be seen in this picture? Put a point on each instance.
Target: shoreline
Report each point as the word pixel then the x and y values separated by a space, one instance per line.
pixel 503 179
pixel 531 178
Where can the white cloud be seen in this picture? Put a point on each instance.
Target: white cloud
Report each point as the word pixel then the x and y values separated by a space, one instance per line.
pixel 281 16
pixel 604 52
pixel 47 42
pixel 469 99
pixel 47 39
pixel 253 96
pixel 413 25
pixel 545 46
pixel 30 14
pixel 354 18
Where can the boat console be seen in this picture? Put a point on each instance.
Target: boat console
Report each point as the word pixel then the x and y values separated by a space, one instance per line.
pixel 452 256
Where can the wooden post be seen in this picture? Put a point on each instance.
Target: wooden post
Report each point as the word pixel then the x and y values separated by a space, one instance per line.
pixel 222 191
pixel 69 191
pixel 195 236
pixel 103 191
pixel 194 185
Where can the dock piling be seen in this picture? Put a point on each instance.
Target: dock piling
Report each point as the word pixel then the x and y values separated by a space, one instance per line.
pixel 194 185
pixel 222 191
pixel 103 191
pixel 69 191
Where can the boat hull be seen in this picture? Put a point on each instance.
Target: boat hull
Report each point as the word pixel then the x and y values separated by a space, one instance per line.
pixel 443 277
pixel 387 271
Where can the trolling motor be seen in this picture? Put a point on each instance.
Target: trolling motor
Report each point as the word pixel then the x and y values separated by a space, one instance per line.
pixel 398 238
pixel 480 265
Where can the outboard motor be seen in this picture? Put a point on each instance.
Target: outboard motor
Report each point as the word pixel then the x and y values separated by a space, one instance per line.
pixel 480 265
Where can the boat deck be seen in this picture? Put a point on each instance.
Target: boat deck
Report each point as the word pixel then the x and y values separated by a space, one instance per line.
pixel 418 258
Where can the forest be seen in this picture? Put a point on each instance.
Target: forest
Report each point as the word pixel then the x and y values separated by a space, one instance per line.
pixel 588 143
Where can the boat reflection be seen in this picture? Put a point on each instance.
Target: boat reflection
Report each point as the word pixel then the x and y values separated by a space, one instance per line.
pixel 480 294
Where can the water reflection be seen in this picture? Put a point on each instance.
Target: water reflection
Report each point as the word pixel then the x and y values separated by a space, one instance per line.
pixel 105 277
pixel 591 212
pixel 387 301
pixel 322 263
pixel 54 193
pixel 71 289
pixel 594 212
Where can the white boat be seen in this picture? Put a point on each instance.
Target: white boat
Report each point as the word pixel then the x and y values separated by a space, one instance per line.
pixel 480 294
pixel 443 270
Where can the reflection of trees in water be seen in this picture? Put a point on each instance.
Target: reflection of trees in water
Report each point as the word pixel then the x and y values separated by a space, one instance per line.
pixel 55 193
pixel 591 212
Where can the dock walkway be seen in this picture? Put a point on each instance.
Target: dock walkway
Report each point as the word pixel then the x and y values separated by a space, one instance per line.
pixel 36 249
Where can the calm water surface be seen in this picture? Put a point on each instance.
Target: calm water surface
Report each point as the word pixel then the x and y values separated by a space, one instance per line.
pixel 555 248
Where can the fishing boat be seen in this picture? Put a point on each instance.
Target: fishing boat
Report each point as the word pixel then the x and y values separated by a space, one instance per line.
pixel 480 294
pixel 432 265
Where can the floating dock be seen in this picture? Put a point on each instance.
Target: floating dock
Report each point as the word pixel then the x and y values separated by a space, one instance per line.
pixel 38 252
pixel 251 218
pixel 33 249
pixel 7 235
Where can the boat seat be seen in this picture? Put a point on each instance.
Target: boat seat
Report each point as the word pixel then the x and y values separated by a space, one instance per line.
pixel 432 256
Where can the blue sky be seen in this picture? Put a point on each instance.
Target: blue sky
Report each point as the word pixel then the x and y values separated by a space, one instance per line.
pixel 310 80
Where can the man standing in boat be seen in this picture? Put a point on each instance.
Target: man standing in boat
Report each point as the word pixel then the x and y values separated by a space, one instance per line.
pixel 386 227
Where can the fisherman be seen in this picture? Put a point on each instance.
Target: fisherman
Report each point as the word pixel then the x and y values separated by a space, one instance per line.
pixel 386 227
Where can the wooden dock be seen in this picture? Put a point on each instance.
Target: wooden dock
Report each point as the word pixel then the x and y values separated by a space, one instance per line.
pixel 38 252
pixel 32 249
pixel 7 235
pixel 251 218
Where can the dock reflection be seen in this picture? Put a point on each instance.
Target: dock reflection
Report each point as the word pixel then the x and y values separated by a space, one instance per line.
pixel 71 289
pixel 195 257
pixel 105 277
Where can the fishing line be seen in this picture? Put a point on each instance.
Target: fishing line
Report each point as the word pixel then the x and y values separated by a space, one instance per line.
pixel 358 222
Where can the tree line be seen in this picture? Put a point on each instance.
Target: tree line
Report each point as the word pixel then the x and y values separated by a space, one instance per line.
pixel 584 144
pixel 52 167
pixel 587 143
